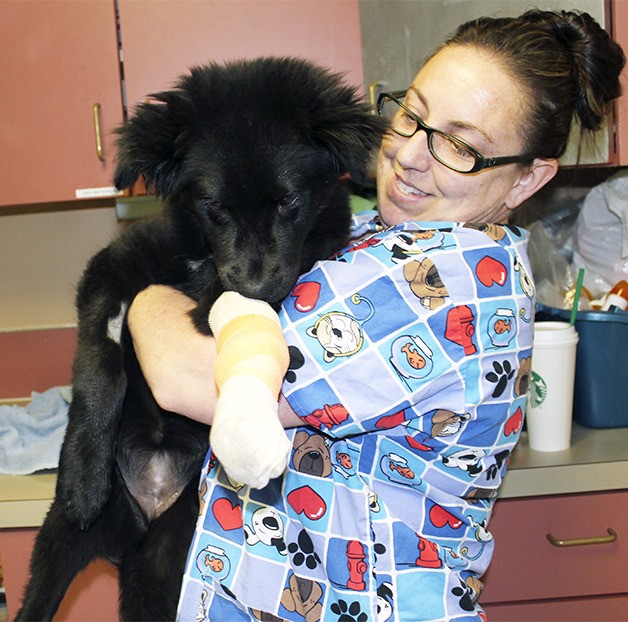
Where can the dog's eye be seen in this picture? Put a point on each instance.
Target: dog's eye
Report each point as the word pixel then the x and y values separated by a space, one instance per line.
pixel 214 210
pixel 288 206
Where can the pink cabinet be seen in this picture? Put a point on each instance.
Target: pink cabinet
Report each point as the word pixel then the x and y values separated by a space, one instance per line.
pixel 161 40
pixel 532 579
pixel 59 73
pixel 619 25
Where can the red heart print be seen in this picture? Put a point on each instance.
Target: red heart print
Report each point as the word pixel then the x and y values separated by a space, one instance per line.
pixel 441 517
pixel 491 272
pixel 229 516
pixel 391 421
pixel 306 294
pixel 307 501
pixel 513 425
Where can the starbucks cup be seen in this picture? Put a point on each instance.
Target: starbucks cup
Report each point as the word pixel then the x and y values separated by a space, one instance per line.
pixel 550 398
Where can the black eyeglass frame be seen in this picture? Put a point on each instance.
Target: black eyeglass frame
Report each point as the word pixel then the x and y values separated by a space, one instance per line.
pixel 481 162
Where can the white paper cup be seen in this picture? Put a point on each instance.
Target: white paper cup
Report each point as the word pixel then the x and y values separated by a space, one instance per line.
pixel 550 399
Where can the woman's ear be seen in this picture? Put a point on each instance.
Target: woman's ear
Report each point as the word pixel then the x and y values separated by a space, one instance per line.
pixel 530 181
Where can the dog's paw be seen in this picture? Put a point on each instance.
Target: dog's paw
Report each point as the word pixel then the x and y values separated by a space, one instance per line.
pixel 83 490
pixel 249 440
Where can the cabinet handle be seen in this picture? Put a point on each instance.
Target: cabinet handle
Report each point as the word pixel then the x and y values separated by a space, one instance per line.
pixel 611 537
pixel 96 115
pixel 374 94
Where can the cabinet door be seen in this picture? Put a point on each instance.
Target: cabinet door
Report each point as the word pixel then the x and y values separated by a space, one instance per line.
pixel 620 33
pixel 399 36
pixel 162 39
pixel 58 60
pixel 590 562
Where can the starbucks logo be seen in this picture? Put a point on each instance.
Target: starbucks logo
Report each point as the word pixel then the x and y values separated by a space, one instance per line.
pixel 538 390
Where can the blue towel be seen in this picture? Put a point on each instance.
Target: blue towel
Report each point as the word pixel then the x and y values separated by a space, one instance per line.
pixel 31 436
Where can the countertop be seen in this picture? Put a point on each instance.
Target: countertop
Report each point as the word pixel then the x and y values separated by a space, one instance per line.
pixel 597 460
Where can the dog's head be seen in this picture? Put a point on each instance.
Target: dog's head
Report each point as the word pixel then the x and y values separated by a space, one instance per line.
pixel 255 150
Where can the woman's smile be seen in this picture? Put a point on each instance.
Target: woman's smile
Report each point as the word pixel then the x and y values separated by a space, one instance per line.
pixel 406 188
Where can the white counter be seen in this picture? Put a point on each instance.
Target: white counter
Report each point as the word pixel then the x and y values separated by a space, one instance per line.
pixel 597 460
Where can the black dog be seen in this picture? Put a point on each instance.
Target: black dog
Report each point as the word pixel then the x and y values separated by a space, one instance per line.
pixel 249 157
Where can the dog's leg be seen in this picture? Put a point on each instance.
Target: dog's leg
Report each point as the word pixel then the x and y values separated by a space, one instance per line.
pixel 99 384
pixel 150 576
pixel 62 551
pixel 55 562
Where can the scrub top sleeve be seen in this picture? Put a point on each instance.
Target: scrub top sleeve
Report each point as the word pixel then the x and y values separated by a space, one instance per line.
pixel 366 334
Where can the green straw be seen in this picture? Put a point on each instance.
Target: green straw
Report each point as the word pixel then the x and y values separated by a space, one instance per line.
pixel 576 298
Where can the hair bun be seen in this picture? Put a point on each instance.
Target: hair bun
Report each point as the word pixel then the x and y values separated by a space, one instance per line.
pixel 597 61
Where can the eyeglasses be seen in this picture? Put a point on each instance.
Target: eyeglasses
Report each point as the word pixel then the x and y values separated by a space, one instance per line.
pixel 447 149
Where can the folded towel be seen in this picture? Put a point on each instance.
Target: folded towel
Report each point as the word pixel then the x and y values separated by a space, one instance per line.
pixel 31 436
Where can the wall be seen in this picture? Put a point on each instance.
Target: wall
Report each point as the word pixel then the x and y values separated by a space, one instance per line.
pixel 42 256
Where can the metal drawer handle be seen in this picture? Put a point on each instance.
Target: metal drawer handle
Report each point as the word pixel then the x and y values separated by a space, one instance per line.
pixel 611 537
pixel 96 116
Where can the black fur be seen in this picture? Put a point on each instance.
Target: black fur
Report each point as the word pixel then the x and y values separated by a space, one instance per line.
pixel 248 157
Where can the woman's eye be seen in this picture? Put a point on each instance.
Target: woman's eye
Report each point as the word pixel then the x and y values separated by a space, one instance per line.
pixel 460 151
pixel 405 119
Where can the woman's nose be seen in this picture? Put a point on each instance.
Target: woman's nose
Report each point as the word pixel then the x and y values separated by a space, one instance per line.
pixel 414 152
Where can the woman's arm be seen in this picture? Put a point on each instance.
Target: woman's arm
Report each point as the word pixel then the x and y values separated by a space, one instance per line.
pixel 177 361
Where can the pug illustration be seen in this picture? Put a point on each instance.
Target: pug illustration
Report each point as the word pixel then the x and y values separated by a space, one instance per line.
pixel 303 596
pixel 311 455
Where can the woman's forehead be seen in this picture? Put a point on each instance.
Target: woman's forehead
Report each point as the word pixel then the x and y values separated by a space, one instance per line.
pixel 466 87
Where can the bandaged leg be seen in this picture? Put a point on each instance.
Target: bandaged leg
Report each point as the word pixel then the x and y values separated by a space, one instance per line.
pixel 252 359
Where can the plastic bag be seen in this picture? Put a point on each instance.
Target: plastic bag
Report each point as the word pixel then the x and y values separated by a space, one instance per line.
pixel 550 253
pixel 600 241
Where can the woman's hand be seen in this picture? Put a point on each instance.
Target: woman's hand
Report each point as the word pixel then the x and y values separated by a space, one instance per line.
pixel 177 361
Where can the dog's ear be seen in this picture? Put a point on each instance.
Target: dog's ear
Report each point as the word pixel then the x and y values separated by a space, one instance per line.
pixel 151 144
pixel 351 133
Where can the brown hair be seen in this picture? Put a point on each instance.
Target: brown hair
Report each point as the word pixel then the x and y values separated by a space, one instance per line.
pixel 566 62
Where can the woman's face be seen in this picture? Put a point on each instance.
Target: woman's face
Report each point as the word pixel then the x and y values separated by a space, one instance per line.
pixel 464 92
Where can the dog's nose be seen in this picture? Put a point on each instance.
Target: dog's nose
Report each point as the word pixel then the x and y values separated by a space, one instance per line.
pixel 272 286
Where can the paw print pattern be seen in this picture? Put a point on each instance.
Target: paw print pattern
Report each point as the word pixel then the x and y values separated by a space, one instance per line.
pixel 303 551
pixel 464 594
pixel 297 360
pixel 349 612
pixel 500 376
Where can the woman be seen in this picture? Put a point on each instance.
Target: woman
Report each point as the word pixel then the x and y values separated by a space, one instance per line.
pixel 415 356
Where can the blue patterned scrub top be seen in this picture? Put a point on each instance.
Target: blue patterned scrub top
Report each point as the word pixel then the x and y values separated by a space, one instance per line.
pixel 410 360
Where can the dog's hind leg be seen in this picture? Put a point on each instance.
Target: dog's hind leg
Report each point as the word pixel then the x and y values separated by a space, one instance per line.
pixel 151 574
pixel 62 551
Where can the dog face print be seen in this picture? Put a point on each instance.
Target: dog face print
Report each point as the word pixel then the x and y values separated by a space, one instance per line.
pixel 267 528
pixel 467 460
pixel 411 243
pixel 446 423
pixel 425 283
pixel 339 333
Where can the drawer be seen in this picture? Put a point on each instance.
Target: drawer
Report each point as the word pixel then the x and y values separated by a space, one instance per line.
pixel 591 609
pixel 526 566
